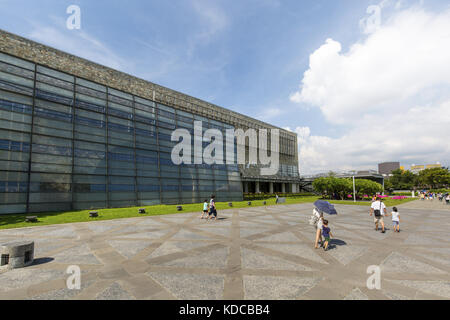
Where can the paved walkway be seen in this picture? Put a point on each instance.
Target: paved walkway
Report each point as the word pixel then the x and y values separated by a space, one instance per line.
pixel 251 253
pixel 427 204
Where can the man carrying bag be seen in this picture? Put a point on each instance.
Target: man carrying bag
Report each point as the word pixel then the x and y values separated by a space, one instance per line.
pixel 378 209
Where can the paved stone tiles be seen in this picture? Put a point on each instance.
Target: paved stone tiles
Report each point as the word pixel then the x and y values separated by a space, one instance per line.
pixel 250 253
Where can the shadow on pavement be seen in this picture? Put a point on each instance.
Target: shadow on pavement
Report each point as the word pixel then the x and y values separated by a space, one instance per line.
pixel 39 261
pixel 334 243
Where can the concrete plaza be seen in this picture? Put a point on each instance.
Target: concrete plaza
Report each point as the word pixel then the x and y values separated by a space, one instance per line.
pixel 250 253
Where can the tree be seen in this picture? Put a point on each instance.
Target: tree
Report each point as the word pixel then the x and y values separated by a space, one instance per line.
pixel 341 187
pixel 365 186
pixel 388 185
pixel 321 185
pixel 434 178
pixel 401 180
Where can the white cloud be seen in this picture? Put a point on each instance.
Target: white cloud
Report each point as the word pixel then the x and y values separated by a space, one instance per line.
pixel 213 20
pixel 419 136
pixel 391 91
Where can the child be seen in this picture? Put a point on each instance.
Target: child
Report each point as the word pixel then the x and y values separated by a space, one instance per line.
pixel 326 232
pixel 395 219
pixel 205 209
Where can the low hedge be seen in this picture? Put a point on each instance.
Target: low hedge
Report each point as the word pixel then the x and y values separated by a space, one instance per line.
pixel 402 193
pixel 264 196
pixel 440 190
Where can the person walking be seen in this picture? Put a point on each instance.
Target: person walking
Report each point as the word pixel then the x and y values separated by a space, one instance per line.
pixel 212 208
pixel 317 222
pixel 205 209
pixel 378 209
pixel 326 231
pixel 276 198
pixel 395 219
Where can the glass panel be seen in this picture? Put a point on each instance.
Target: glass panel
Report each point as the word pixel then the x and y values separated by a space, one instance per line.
pixel 95 196
pixel 4 95
pixel 89 205
pixel 38 139
pixel 16 79
pixel 16 61
pixel 46 158
pixel 91 92
pixel 120 94
pixel 91 100
pixel 11 209
pixel 54 82
pixel 165 108
pixel 49 206
pixel 144 101
pixel 55 74
pixel 118 100
pixel 13 83
pixel 91 85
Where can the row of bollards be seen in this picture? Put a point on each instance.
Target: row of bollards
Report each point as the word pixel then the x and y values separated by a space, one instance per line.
pixel 94 214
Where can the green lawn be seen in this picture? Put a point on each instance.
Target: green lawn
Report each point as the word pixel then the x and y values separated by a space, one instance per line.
pixel 49 218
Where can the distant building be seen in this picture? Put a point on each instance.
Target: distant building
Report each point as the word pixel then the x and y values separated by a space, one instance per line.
pixel 417 168
pixel 420 167
pixel 386 168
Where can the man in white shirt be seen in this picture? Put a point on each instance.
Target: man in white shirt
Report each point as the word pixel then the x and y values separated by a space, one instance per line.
pixel 378 209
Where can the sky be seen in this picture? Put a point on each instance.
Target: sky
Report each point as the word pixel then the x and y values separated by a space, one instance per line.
pixel 360 81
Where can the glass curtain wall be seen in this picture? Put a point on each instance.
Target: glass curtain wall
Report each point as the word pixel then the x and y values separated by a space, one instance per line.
pixel 67 144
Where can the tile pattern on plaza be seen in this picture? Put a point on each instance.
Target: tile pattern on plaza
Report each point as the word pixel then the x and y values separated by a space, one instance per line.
pixel 250 253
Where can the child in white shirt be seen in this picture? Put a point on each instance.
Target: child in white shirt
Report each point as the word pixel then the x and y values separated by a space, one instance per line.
pixel 395 219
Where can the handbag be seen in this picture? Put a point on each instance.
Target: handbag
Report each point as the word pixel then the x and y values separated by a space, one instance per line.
pixel 313 220
pixel 377 212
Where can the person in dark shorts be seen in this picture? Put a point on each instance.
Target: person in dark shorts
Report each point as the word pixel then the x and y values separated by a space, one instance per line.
pixel 212 208
pixel 205 209
pixel 326 233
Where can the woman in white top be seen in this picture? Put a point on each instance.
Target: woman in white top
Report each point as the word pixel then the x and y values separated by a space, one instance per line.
pixel 318 218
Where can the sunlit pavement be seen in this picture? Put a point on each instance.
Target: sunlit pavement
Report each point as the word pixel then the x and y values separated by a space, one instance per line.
pixel 251 253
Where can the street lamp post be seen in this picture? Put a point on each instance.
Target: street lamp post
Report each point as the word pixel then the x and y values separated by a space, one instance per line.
pixel 354 190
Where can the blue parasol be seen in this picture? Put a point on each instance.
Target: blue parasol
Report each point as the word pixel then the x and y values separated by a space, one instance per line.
pixel 325 206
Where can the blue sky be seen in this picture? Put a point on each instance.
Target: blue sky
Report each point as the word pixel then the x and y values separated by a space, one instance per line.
pixel 248 56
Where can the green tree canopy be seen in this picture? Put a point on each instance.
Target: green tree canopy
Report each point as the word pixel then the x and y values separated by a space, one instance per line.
pixel 434 178
pixel 341 187
pixel 401 180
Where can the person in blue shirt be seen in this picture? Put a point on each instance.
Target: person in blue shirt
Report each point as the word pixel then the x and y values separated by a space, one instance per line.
pixel 326 233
